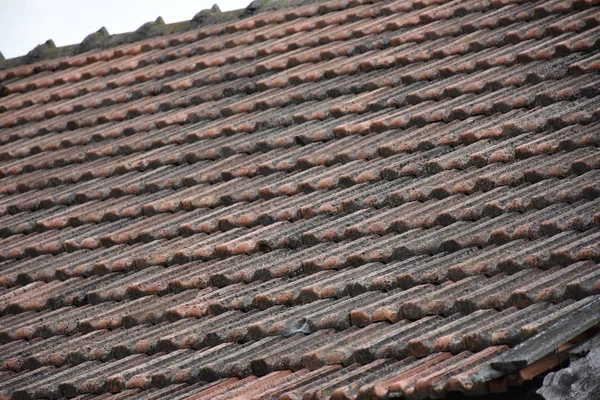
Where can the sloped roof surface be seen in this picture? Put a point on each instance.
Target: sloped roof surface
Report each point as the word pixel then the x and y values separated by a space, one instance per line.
pixel 350 199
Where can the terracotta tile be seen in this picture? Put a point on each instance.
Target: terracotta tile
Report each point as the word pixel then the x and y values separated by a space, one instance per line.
pixel 337 200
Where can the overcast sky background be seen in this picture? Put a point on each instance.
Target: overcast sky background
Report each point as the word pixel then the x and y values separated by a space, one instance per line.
pixel 26 23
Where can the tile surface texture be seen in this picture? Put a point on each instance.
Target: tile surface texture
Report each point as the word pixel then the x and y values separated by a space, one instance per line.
pixel 352 199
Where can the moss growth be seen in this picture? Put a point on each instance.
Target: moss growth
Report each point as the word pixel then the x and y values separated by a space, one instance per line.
pixel 102 39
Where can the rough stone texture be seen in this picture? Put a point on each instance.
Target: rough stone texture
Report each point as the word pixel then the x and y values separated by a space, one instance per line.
pixel 578 381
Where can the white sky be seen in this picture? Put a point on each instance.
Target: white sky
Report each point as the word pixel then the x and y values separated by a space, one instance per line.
pixel 26 23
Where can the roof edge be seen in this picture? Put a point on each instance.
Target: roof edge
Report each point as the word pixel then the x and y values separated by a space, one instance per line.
pixel 102 39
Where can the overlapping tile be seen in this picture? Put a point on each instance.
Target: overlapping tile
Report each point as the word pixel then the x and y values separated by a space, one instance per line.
pixel 337 200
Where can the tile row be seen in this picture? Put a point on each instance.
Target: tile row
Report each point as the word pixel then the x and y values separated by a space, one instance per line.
pixel 149 199
pixel 93 117
pixel 232 31
pixel 527 96
pixel 354 22
pixel 350 343
pixel 159 225
pixel 177 99
pixel 562 249
pixel 426 339
pixel 301 112
pixel 243 286
pixel 284 234
pixel 423 376
pixel 144 141
pixel 268 280
pixel 156 165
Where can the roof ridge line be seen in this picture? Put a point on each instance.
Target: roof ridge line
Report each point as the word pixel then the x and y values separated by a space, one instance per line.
pixel 102 39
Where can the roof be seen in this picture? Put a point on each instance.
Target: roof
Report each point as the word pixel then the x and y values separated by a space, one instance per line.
pixel 352 199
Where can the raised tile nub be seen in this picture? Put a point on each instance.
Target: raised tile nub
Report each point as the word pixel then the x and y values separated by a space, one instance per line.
pixel 94 39
pixel 42 50
pixel 207 15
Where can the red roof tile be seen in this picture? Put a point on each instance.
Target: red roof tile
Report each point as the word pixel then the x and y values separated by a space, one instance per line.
pixel 339 200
